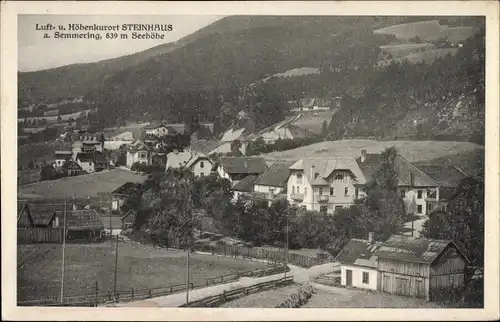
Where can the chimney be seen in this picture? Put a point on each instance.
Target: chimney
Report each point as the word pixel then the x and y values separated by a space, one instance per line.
pixel 312 173
pixel 370 237
pixel 363 155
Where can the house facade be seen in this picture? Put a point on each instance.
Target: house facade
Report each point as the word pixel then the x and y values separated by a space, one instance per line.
pixel 141 154
pixel 61 157
pixel 420 267
pixel 274 180
pixel 157 130
pixel 324 184
pixel 121 194
pixel 358 265
pixel 200 165
pixel 71 168
pixel 86 162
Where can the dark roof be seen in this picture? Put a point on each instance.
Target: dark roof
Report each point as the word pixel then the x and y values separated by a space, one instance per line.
pixel 276 175
pixel 445 175
pixel 100 157
pixel 85 156
pixel 412 249
pixel 81 219
pixel 243 165
pixel 127 188
pixel 70 163
pixel 204 146
pixel 405 169
pixel 245 185
pixel 359 252
pixel 43 213
pixel 112 222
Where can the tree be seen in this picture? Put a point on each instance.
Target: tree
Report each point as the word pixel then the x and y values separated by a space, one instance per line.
pixel 31 164
pixel 324 129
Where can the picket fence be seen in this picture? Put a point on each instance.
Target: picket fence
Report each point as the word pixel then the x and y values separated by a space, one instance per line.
pixel 226 296
pixel 39 235
pixel 275 256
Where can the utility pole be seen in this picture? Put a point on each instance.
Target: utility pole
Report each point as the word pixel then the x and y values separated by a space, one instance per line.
pixel 116 263
pixel 187 278
pixel 63 249
pixel 286 246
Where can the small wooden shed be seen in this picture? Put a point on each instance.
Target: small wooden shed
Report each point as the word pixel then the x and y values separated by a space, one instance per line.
pixel 420 267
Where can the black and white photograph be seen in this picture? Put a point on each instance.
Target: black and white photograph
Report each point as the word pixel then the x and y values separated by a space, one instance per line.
pixel 251 161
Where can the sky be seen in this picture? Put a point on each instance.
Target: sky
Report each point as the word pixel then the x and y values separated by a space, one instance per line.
pixel 37 53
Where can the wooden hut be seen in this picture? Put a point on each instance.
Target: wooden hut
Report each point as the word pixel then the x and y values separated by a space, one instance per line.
pixel 81 224
pixel 420 267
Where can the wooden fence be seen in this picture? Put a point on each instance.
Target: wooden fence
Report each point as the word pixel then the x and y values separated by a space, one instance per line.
pixel 226 296
pixel 98 297
pixel 39 235
pixel 261 253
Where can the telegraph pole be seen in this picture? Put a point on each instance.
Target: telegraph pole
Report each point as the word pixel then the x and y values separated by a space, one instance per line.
pixel 63 249
pixel 187 278
pixel 286 246
pixel 116 264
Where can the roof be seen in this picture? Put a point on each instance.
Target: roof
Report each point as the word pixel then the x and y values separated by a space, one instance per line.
pixel 128 188
pixel 325 167
pixel 100 157
pixel 245 185
pixel 445 175
pixel 82 219
pixel 154 125
pixel 178 159
pixel 412 249
pixel 359 252
pixel 43 213
pixel 204 146
pixel 63 152
pixel 243 165
pixel 276 175
pixel 232 134
pixel 299 132
pixel 405 169
pixel 71 163
pixel 85 156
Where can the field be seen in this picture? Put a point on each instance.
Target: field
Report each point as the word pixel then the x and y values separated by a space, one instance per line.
pixel 39 152
pixel 265 299
pixel 28 176
pixel 349 298
pixel 53 119
pixel 138 267
pixel 402 50
pixel 83 186
pixel 414 151
pixel 313 121
pixel 428 31
pixel 427 57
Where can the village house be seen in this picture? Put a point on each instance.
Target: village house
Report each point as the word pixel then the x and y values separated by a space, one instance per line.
pixel 358 264
pixel 274 180
pixel 448 178
pixel 282 131
pixel 241 131
pixel 420 267
pixel 236 169
pixel 413 184
pixel 86 161
pixel 159 130
pixel 71 168
pixel 61 157
pixel 81 224
pixel 140 153
pixel 200 165
pixel 121 194
pixel 128 220
pixel 244 187
pixel 32 215
pixel 325 184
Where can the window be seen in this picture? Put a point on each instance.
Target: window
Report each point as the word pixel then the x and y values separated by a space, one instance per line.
pixel 419 194
pixel 320 191
pixel 443 207
pixel 338 207
pixel 429 207
pixel 346 191
pixel 299 178
pixel 366 278
pixel 419 209
pixel 202 164
pixel 332 191
pixel 298 189
pixel 305 191
pixel 403 193
pixel 323 208
pixel 202 174
pixel 339 177
pixel 293 190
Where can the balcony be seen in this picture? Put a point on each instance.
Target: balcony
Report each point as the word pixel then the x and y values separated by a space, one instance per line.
pixel 297 196
pixel 323 198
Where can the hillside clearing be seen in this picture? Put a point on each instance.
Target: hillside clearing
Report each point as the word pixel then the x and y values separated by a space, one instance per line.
pixel 414 151
pixel 83 186
pixel 140 267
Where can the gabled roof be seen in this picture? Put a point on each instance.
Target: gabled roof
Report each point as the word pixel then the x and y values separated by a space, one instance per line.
pixel 178 159
pixel 405 169
pixel 42 214
pixel 232 134
pixel 359 252
pixel 245 185
pixel 445 175
pixel 204 146
pixel 276 175
pixel 243 165
pixel 85 156
pixel 71 164
pixel 325 167
pixel 129 213
pixel 412 249
pixel 81 219
pixel 63 153
pixel 154 125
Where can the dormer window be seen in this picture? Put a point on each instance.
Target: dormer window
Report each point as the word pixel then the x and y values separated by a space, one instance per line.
pixel 339 177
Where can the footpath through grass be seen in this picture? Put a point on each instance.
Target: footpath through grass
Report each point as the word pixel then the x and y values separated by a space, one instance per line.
pixel 140 267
